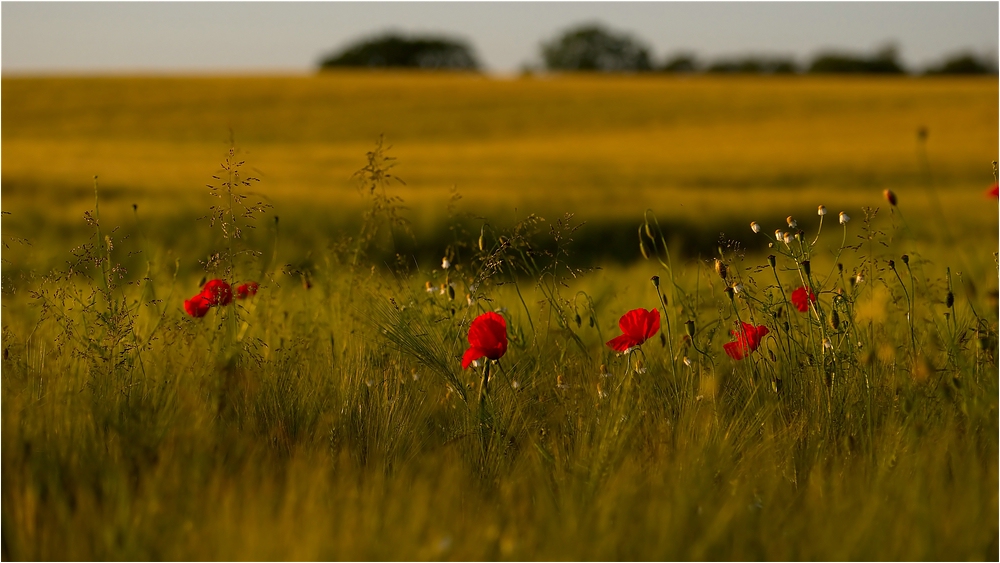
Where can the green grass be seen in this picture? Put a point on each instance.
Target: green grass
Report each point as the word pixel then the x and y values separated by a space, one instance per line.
pixel 329 417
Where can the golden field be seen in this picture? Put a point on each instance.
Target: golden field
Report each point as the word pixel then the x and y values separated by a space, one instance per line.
pixel 596 146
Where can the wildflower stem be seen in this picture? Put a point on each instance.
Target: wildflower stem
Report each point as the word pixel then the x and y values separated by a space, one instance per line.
pixel 909 313
pixel 484 388
pixel 670 337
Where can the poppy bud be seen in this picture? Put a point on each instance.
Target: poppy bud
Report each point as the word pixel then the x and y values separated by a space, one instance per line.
pixel 656 281
pixel 579 321
pixel 451 292
pixel 906 259
pixel 892 265
pixel 663 340
pixel 949 301
pixel 776 385
pixel 770 260
pixel 689 327
pixel 890 197
pixel 729 292
pixel 591 322
pixel 805 267
pixel 840 268
pixel 835 320
pixel 720 268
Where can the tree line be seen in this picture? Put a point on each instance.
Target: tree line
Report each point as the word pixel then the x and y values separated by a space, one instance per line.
pixel 597 49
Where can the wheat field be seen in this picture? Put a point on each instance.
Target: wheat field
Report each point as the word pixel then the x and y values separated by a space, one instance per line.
pixel 328 415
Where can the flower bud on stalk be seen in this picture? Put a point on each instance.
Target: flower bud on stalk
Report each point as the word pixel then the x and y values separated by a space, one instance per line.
pixel 689 327
pixel 890 197
pixel 720 268
pixel 950 300
pixel 906 259
pixel 806 267
pixel 770 260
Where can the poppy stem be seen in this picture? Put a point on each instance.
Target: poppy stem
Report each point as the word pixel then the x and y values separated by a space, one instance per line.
pixel 666 315
pixel 484 388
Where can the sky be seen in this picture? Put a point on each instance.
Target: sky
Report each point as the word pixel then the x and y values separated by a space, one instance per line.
pixel 262 37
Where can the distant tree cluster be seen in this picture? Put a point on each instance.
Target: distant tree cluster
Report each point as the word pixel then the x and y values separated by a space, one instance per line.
pixel 396 51
pixel 594 48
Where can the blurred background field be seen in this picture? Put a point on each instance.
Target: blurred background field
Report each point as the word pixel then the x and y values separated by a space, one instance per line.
pixel 706 153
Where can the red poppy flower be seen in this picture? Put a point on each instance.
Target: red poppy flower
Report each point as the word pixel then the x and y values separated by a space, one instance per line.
pixel 218 292
pixel 801 298
pixel 487 337
pixel 638 325
pixel 994 191
pixel 747 340
pixel 198 305
pixel 245 290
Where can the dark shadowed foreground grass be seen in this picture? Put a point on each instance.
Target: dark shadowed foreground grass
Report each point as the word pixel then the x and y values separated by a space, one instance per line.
pixel 328 416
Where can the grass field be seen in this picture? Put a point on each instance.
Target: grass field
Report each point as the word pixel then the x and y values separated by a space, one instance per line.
pixel 329 417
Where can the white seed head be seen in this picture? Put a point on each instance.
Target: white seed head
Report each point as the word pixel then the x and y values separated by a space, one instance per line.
pixel 821 211
pixel 445 263
pixel 788 238
pixel 754 226
pixel 780 236
pixel 792 223
pixel 687 361
pixel 859 278
pixel 844 218
pixel 827 344
pixel 738 288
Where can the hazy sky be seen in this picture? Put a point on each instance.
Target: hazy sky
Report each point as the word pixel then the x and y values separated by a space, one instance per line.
pixel 292 36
